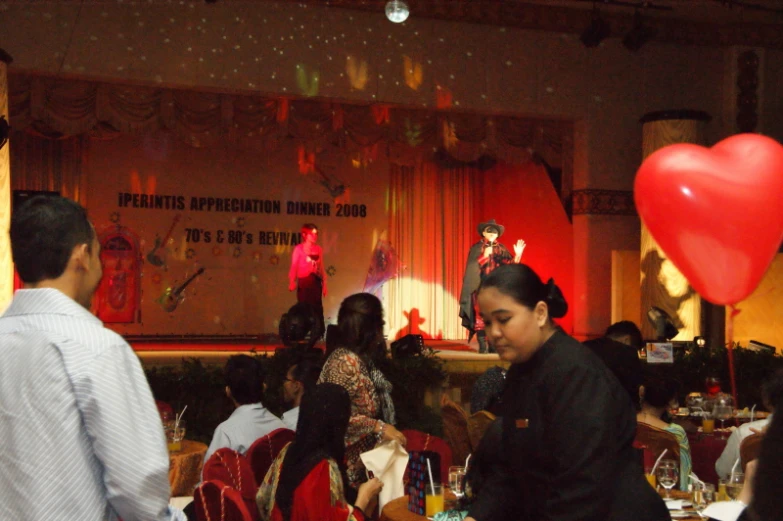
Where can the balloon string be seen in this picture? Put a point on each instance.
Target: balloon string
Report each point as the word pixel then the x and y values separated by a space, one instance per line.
pixel 730 344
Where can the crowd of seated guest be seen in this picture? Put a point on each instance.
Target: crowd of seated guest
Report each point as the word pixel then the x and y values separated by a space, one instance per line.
pixel 771 393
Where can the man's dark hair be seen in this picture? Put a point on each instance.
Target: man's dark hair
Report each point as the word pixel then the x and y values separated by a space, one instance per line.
pixel 625 328
pixel 44 231
pixel 306 369
pixel 245 378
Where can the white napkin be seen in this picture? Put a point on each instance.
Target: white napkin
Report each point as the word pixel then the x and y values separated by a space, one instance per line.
pixel 180 502
pixel 674 504
pixel 724 510
pixel 388 462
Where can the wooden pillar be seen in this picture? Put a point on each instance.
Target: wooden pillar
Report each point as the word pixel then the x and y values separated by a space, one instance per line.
pixel 662 285
pixel 6 265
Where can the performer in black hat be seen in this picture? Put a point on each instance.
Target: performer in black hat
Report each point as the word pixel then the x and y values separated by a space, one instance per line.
pixel 483 257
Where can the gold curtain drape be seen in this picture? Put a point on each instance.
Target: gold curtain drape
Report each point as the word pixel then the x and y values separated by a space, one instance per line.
pixel 55 165
pixel 431 225
pixel 662 283
pixel 6 265
pixel 55 107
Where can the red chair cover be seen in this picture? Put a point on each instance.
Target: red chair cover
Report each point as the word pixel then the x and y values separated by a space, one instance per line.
pixel 216 501
pixel 264 450
pixel 164 409
pixel 229 467
pixel 419 441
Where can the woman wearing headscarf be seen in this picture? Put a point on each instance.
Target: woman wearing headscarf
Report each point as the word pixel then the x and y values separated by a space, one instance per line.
pixel 353 365
pixel 306 480
pixel 567 433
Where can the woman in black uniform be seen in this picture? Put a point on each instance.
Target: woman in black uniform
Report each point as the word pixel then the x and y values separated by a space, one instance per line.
pixel 568 426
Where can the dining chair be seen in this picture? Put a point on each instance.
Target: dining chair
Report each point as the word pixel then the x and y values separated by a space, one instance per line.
pixel 418 441
pixel 233 469
pixel 478 423
pixel 455 428
pixel 265 449
pixel 164 409
pixel 654 440
pixel 216 501
pixel 749 449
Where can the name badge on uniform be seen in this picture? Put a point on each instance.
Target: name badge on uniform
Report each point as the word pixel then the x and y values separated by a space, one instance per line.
pixel 522 423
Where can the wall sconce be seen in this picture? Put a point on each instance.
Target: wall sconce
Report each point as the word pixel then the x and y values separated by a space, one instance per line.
pixel 596 32
pixel 397 11
pixel 639 34
pixel 700 342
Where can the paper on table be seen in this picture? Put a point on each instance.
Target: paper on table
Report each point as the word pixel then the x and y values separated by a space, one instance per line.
pixel 674 504
pixel 388 462
pixel 180 502
pixel 724 510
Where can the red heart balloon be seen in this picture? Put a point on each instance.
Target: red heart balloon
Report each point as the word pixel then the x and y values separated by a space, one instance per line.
pixel 716 212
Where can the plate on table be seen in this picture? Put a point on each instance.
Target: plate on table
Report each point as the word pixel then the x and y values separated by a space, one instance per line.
pixel 679 514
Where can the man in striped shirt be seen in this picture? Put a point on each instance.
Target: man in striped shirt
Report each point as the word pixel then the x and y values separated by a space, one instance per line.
pixel 80 436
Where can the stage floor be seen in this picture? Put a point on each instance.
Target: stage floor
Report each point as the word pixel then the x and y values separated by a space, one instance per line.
pixel 458 355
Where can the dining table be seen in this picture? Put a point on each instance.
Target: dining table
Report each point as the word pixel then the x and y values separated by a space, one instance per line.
pixel 397 509
pixel 185 467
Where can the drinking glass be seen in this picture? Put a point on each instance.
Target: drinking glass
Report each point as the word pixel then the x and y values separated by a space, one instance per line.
pixel 648 473
pixel 433 501
pixel 668 472
pixel 734 486
pixel 174 436
pixel 703 495
pixel 457 481
pixel 707 423
pixel 722 413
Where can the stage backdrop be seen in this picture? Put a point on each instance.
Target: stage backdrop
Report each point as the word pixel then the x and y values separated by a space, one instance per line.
pixel 236 214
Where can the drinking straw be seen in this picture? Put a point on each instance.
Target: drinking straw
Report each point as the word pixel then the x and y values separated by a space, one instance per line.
pixel 659 460
pixel 735 466
pixel 752 411
pixel 178 418
pixel 695 478
pixel 432 481
pixel 466 462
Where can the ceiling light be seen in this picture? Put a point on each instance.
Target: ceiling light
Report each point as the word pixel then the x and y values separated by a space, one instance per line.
pixel 397 11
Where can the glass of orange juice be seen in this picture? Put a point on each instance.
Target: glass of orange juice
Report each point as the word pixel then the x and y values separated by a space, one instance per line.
pixel 434 499
pixel 648 473
pixel 707 424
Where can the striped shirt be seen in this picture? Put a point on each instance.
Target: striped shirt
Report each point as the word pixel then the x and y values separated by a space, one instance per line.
pixel 80 436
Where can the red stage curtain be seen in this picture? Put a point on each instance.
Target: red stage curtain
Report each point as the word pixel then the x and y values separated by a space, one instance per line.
pixel 523 199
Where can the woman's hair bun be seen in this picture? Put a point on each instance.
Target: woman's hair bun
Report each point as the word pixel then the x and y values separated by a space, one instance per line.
pixel 555 301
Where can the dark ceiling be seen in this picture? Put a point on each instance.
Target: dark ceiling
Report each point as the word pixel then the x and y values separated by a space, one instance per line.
pixel 700 22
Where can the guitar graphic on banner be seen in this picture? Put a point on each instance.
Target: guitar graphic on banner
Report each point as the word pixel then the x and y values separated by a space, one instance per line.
pixel 153 257
pixel 172 297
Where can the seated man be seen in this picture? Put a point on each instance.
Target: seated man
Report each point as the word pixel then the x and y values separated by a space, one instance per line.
pixel 250 420
pixel 301 377
pixel 771 392
pixel 619 349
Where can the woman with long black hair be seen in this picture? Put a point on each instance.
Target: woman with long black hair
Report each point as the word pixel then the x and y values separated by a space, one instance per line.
pixel 306 481
pixel 353 365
